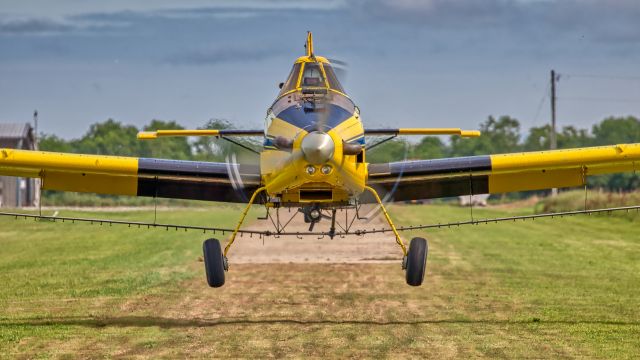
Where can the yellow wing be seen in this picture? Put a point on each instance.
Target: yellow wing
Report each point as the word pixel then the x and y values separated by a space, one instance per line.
pixel 133 176
pixel 490 174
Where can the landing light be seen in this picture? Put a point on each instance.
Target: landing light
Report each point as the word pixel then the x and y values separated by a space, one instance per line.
pixel 326 169
pixel 311 169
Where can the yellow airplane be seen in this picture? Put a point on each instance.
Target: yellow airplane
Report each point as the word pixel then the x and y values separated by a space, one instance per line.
pixel 314 159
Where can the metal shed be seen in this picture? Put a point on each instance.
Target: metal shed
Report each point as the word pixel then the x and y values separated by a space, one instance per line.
pixel 18 192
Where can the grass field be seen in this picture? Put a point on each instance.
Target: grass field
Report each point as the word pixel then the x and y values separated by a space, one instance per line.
pixel 541 289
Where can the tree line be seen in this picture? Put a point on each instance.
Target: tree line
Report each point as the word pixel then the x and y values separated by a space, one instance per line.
pixel 499 135
pixel 114 138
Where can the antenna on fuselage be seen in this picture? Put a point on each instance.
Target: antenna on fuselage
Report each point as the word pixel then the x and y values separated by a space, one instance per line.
pixel 309 44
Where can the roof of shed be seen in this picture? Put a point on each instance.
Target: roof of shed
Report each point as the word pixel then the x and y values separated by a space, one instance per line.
pixel 14 131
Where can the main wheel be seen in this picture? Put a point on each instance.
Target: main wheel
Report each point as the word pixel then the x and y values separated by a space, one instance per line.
pixel 213 262
pixel 417 261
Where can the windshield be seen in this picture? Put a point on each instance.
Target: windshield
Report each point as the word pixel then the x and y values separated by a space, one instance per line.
pixel 312 76
pixel 290 84
pixel 332 78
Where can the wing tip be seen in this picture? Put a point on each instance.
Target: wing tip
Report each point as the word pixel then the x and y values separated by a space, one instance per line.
pixel 470 133
pixel 147 135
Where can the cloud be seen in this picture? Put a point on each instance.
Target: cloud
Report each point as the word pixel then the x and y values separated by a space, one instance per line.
pixel 247 9
pixel 611 21
pixel 43 26
pixel 118 17
pixel 605 21
pixel 199 33
pixel 213 56
pixel 61 9
pixel 32 27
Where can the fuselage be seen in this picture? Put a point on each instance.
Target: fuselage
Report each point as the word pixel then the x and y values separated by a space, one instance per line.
pixel 329 166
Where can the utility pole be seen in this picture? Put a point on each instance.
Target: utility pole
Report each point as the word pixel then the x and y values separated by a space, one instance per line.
pixel 37 183
pixel 552 136
pixel 553 143
pixel 35 129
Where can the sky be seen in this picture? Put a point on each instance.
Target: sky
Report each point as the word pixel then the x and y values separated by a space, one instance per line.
pixel 431 63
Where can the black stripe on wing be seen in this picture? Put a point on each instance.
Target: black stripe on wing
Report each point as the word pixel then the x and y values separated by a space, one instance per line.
pixel 428 179
pixel 196 180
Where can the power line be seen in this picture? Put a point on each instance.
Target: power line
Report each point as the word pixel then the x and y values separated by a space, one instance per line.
pixel 579 98
pixel 544 97
pixel 610 77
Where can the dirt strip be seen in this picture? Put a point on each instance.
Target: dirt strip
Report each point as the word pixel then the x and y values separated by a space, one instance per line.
pixel 371 248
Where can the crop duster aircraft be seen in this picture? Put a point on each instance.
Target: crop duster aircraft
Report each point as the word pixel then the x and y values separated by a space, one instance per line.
pixel 314 159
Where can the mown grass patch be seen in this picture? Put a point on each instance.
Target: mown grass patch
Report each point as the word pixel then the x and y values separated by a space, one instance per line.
pixel 591 199
pixel 51 269
pixel 579 273
pixel 538 289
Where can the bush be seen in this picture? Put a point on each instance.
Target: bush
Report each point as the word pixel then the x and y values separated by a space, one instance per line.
pixel 58 198
pixel 595 199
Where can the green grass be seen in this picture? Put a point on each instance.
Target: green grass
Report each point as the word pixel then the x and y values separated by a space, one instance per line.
pixel 49 269
pixel 593 199
pixel 82 260
pixel 580 273
pixel 64 198
pixel 539 289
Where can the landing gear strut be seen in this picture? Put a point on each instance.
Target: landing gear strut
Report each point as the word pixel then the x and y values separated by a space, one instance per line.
pixel 215 261
pixel 414 261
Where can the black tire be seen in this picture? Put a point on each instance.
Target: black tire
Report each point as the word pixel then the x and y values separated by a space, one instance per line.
pixel 417 261
pixel 213 262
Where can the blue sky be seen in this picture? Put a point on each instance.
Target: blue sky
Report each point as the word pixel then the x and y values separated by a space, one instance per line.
pixel 410 63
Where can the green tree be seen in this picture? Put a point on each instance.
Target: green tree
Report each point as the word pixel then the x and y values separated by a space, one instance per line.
pixel 209 148
pixel 617 130
pixel 110 138
pixel 611 131
pixel 569 137
pixel 168 147
pixel 429 147
pixel 50 142
pixel 498 136
pixel 572 137
pixel 392 150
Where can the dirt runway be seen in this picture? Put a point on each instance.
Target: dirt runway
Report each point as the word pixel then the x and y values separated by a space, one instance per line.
pixel 370 248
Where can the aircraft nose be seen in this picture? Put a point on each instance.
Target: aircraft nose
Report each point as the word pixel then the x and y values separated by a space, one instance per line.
pixel 317 147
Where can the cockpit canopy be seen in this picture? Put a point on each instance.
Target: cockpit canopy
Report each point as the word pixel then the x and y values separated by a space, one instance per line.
pixel 311 74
